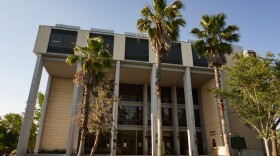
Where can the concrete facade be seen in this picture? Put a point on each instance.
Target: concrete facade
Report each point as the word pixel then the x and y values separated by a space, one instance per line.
pixel 192 125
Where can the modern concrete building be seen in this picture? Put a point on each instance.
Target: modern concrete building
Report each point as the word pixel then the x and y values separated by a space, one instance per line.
pixel 190 114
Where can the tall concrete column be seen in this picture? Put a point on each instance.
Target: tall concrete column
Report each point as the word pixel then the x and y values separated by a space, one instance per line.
pixel 69 148
pixel 175 120
pixel 145 119
pixel 115 111
pixel 43 117
pixel 154 111
pixel 190 113
pixel 77 128
pixel 30 107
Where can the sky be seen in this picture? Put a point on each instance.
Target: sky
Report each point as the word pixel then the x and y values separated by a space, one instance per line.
pixel 258 20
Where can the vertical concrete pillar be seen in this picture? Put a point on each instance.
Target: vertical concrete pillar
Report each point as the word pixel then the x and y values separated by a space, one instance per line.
pixel 30 107
pixel 77 128
pixel 190 113
pixel 43 117
pixel 175 120
pixel 115 111
pixel 154 111
pixel 69 148
pixel 145 119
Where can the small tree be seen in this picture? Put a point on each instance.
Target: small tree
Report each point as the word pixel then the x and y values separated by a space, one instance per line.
pixel 253 91
pixel 100 114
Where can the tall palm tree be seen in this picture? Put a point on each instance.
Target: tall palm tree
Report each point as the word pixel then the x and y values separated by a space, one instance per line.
pixel 161 23
pixel 94 60
pixel 214 43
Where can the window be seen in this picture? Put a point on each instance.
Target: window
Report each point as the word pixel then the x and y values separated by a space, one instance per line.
pixel 168 143
pixel 182 120
pixel 62 41
pixel 197 118
pixel 198 61
pixel 136 49
pixel 165 94
pixel 195 96
pixel 103 146
pixel 166 116
pixel 174 56
pixel 131 92
pixel 183 137
pixel 130 115
pixel 180 95
pixel 130 142
pixel 199 143
pixel 108 41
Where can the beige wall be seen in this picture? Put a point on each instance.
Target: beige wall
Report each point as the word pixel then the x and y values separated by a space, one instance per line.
pixel 82 39
pixel 187 54
pixel 211 118
pixel 58 115
pixel 238 128
pixel 42 39
pixel 119 47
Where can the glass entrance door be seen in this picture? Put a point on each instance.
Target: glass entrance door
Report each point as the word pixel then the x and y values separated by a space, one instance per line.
pixel 129 142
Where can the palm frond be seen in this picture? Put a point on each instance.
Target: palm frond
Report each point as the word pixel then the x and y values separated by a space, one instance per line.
pixel 146 12
pixel 159 6
pixel 72 59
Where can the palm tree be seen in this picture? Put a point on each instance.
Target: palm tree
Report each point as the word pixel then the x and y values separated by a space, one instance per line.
pixel 94 60
pixel 161 23
pixel 214 43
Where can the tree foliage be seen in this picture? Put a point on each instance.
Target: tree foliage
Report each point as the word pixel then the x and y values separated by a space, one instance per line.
pixel 100 114
pixel 253 91
pixel 10 125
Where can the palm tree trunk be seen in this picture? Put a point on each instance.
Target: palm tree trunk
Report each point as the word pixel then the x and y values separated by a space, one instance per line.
pixel 85 109
pixel 95 143
pixel 159 118
pixel 222 111
pixel 266 146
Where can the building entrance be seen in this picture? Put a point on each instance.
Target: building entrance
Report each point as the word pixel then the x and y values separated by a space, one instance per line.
pixel 130 143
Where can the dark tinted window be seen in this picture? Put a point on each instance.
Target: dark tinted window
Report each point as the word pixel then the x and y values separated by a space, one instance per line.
pixel 130 116
pixel 174 56
pixel 165 95
pixel 108 41
pixel 62 41
pixel 183 137
pixel 199 143
pixel 197 118
pixel 166 116
pixel 180 96
pixel 182 120
pixel 129 142
pixel 103 143
pixel 198 61
pixel 136 49
pixel 130 92
pixel 195 96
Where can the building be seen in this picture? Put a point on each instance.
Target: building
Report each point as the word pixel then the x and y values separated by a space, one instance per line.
pixel 190 114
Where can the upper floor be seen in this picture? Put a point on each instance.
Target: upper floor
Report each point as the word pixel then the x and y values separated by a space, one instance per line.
pixel 61 39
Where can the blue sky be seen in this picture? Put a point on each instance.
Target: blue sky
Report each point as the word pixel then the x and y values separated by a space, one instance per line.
pixel 259 24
